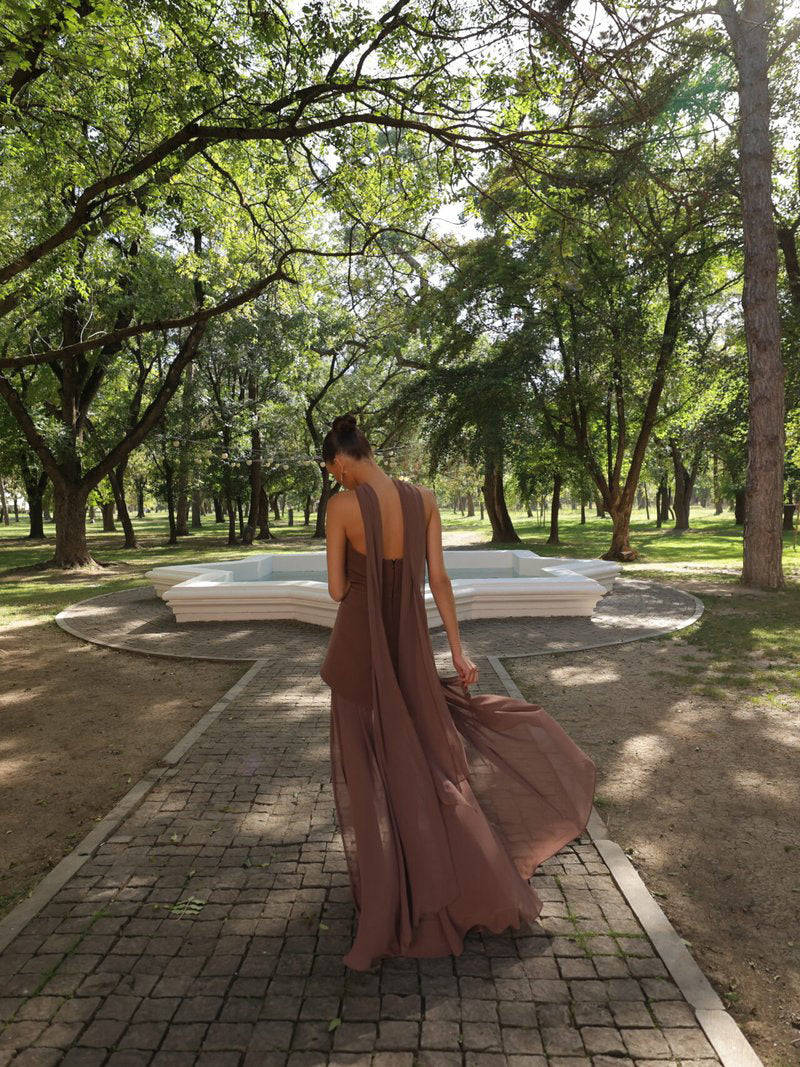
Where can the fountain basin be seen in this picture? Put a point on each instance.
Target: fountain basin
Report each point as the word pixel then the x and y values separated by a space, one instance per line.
pixel 487 583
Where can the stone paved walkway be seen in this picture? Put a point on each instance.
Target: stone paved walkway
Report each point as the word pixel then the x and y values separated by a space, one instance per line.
pixel 139 621
pixel 209 929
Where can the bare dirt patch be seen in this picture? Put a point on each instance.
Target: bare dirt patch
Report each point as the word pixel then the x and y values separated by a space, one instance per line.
pixel 698 782
pixel 79 725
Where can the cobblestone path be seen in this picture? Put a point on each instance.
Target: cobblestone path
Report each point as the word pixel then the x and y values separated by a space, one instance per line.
pixel 209 929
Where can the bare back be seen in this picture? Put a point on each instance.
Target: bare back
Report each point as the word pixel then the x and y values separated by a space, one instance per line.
pixel 391 518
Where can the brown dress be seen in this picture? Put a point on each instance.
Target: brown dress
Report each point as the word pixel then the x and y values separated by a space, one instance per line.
pixel 446 802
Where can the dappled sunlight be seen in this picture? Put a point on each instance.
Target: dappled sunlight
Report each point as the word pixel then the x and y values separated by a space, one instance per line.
pixel 784 792
pixel 570 674
pixel 638 759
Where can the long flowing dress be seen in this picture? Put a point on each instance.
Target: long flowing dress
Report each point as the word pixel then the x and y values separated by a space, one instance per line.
pixel 447 802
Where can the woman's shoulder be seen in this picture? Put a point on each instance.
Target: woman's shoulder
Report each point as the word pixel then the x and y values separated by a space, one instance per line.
pixel 428 497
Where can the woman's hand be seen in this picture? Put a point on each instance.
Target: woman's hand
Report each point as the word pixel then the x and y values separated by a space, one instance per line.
pixel 467 670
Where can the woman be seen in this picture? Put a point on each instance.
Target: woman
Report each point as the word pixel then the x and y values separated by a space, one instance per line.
pixel 446 802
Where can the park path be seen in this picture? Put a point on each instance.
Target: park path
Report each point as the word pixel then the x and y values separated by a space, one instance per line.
pixel 206 925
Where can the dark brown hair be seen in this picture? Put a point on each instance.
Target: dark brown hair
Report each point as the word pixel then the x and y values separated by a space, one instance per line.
pixel 345 436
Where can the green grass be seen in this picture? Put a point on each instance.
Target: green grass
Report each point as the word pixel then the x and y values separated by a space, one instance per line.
pixel 38 595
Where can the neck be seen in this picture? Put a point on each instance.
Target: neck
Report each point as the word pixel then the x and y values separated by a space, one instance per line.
pixel 370 473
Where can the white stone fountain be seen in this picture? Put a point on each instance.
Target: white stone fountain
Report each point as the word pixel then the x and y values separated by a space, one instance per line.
pixel 487 583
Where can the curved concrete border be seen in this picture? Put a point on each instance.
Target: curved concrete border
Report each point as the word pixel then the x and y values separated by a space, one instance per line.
pixel 699 608
pixel 64 619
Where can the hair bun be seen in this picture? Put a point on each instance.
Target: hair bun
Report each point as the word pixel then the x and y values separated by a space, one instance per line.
pixel 344 423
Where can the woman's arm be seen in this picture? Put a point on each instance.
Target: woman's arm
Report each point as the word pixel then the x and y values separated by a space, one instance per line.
pixel 442 590
pixel 335 544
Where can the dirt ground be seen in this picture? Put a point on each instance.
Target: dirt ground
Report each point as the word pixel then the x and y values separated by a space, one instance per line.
pixel 703 794
pixel 79 725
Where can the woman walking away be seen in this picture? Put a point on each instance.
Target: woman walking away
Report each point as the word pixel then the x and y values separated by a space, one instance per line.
pixel 446 802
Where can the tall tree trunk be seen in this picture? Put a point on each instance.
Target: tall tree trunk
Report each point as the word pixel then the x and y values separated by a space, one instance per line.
pixel 182 514
pixel 35 483
pixel 219 514
pixel 107 511
pixel 139 500
pixel 763 541
pixel 72 549
pixel 197 508
pixel 554 509
pixel 322 505
pixel 240 512
pixel 169 487
pixel 716 490
pixel 583 511
pixel 3 505
pixel 183 472
pixel 684 483
pixel 494 495
pixel 740 506
pixel 264 530
pixel 256 463
pixel 470 505
pixel 117 479
pixel 231 509
pixel 307 510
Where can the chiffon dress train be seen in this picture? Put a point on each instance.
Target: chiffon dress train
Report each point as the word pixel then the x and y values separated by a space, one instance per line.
pixel 446 802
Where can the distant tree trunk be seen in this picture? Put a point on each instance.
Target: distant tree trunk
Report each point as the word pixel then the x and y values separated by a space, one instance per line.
pixel 35 483
pixel 322 505
pixel 749 31
pixel 599 507
pixel 646 501
pixel 717 492
pixel 470 505
pixel 264 531
pixel 276 511
pixel 183 473
pixel 107 511
pixel 231 510
pixel 219 514
pixel 740 506
pixel 139 499
pixel 182 515
pixel 240 513
pixel 554 509
pixel 197 508
pixel 583 512
pixel 4 505
pixel 307 510
pixel 117 479
pixel 494 496
pixel 256 464
pixel 684 483
pixel 788 516
pixel 169 485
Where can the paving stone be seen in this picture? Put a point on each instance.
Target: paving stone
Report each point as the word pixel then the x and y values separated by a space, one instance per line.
pixel 561 1041
pixel 599 1039
pixel 674 1013
pixel 688 1043
pixel 518 1039
pixel 645 1044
